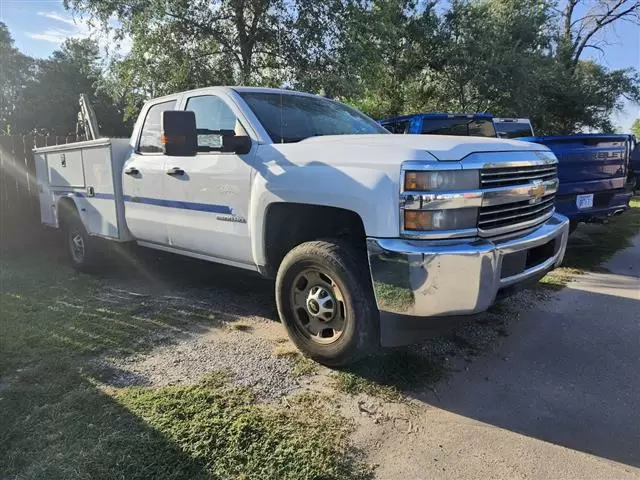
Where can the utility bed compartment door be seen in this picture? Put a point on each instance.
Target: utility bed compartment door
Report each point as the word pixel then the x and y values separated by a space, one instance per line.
pixel 47 199
pixel 66 169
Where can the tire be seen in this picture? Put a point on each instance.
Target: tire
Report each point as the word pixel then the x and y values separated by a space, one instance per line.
pixel 572 227
pixel 341 272
pixel 80 247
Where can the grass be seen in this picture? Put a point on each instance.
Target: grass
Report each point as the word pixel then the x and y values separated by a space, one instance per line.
pixel 240 327
pixel 58 422
pixel 388 375
pixel 302 365
pixel 593 244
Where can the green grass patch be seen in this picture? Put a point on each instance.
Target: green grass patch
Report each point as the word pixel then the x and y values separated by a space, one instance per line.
pixel 304 366
pixel 388 375
pixel 57 422
pixel 301 365
pixel 232 437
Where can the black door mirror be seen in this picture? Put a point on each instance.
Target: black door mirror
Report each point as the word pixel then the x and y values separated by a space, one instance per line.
pixel 179 135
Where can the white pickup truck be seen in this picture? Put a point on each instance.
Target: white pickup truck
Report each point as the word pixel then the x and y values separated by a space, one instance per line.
pixel 372 238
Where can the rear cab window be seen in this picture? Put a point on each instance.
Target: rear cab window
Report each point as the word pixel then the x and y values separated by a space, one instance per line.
pixel 465 127
pixel 399 127
pixel 151 129
pixel 513 129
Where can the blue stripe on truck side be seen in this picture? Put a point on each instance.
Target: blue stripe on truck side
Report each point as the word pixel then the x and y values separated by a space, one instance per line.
pixel 158 202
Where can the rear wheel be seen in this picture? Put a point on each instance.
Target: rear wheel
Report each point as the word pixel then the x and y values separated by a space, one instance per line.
pixel 80 247
pixel 326 302
pixel 573 225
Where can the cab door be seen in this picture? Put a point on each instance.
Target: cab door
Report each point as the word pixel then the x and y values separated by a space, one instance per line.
pixel 143 181
pixel 210 191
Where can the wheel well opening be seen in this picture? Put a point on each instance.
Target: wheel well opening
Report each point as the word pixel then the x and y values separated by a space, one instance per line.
pixel 290 224
pixel 66 210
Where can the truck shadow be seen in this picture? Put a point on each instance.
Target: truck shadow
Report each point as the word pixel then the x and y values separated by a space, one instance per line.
pixel 563 375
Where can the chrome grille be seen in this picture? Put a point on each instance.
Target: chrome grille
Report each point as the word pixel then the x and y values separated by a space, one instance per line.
pixel 514 214
pixel 513 176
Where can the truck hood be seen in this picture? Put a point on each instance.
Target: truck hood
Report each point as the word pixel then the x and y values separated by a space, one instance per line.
pixel 443 147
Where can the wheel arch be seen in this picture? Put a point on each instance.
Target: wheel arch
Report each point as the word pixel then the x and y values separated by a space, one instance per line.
pixel 66 208
pixel 287 225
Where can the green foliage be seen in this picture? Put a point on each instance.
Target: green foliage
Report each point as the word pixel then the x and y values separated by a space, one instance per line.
pixel 16 69
pixel 49 102
pixel 386 57
pixel 635 128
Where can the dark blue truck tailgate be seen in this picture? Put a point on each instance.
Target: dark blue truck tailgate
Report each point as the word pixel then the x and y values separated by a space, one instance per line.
pixel 593 172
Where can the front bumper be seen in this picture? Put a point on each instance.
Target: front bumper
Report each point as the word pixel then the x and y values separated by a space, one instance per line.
pixel 435 279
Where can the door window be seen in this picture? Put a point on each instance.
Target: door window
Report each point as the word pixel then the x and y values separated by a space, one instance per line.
pixel 150 136
pixel 213 114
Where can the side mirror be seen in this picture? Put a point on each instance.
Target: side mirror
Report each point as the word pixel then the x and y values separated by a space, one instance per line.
pixel 179 135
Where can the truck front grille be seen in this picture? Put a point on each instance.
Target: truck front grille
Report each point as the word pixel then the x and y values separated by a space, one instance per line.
pixel 513 214
pixel 514 176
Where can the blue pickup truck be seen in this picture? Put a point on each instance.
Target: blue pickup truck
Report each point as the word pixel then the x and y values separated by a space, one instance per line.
pixel 634 165
pixel 460 124
pixel 593 171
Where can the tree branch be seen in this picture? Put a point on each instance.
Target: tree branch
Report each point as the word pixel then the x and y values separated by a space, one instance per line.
pixel 605 19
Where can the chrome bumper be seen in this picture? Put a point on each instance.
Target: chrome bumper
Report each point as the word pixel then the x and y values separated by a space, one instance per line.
pixel 442 278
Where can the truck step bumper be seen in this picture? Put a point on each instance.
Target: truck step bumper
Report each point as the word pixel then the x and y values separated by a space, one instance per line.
pixel 426 284
pixel 606 204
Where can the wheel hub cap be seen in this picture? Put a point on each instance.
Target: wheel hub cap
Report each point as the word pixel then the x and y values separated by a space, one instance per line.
pixel 77 247
pixel 318 306
pixel 321 304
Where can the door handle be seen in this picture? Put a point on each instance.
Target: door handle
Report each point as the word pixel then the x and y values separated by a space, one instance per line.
pixel 175 171
pixel 131 171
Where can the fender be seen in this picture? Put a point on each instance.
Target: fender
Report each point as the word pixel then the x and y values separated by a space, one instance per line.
pixel 370 193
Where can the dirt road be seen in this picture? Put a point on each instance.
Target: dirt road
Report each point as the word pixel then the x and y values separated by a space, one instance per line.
pixel 559 398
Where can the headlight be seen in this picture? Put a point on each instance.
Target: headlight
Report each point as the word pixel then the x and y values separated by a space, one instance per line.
pixel 441 180
pixel 455 219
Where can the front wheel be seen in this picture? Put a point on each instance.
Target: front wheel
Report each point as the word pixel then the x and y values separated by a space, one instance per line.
pixel 326 303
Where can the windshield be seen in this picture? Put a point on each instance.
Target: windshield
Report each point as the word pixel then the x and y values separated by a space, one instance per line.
pixel 465 127
pixel 514 129
pixel 291 118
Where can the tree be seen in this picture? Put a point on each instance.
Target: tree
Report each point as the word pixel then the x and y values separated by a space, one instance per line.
pixel 49 103
pixel 220 40
pixel 581 31
pixel 384 47
pixel 635 128
pixel 16 70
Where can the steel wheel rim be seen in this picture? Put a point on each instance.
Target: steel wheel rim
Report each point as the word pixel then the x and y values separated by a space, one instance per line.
pixel 318 306
pixel 76 244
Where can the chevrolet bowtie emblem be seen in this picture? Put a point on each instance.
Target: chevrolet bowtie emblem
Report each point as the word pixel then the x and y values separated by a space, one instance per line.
pixel 536 192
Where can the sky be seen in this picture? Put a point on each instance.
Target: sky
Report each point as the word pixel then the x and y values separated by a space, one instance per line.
pixel 40 26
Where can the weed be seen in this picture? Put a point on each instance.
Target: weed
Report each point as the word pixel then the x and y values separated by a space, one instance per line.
pixel 240 327
pixel 387 375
